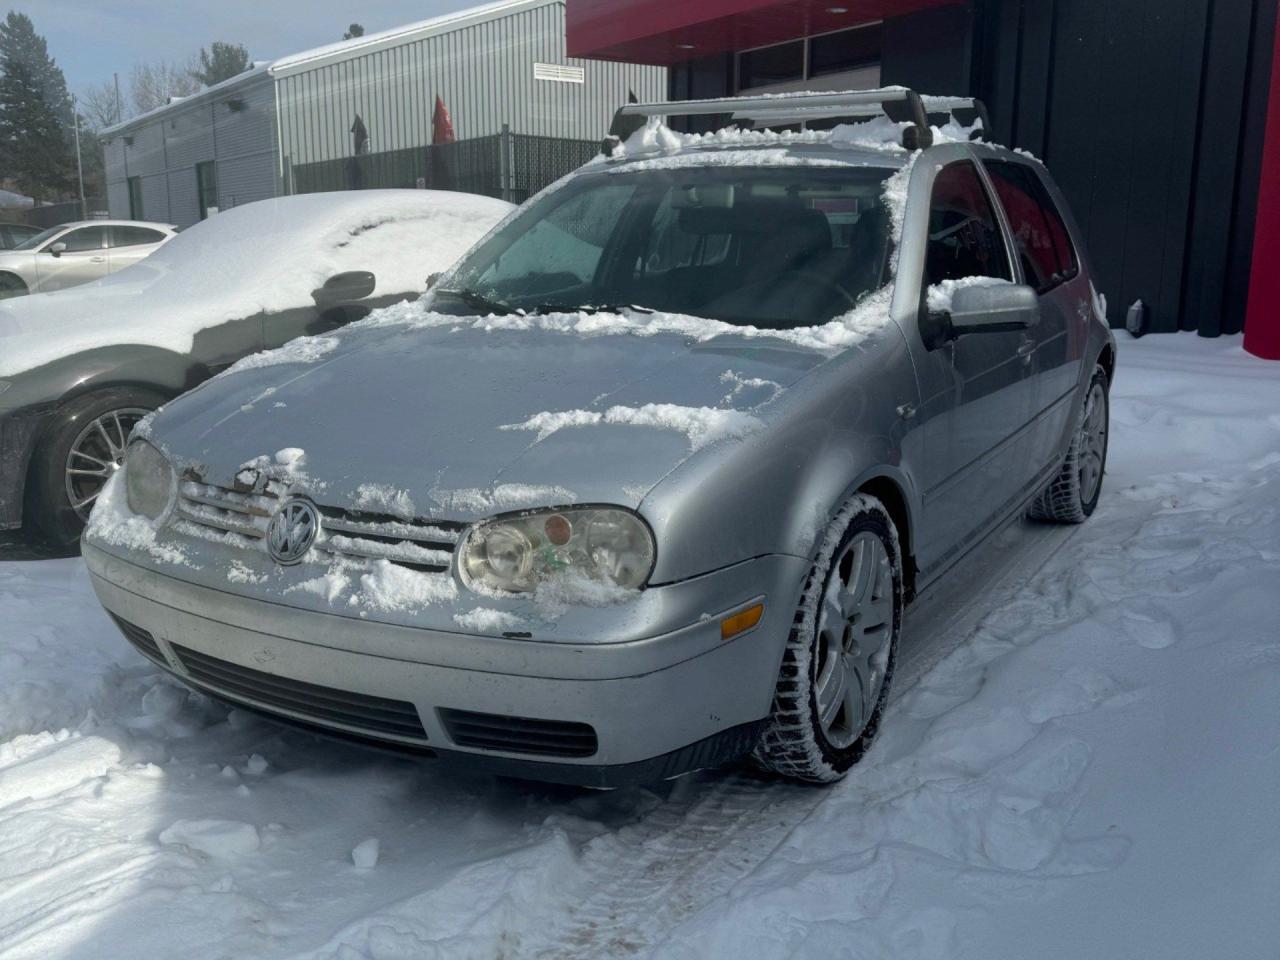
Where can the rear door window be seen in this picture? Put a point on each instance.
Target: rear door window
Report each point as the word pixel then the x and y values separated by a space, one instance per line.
pixel 134 236
pixel 1039 232
pixel 964 235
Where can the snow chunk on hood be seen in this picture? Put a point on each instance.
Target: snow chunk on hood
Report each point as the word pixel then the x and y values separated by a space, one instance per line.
pixel 702 425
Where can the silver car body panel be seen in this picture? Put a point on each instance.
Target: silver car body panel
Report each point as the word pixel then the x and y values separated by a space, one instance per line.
pixel 957 438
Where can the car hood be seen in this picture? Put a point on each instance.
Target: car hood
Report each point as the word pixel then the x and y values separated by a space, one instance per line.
pixel 440 416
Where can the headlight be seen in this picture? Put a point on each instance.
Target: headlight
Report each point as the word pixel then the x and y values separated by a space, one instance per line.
pixel 515 554
pixel 149 480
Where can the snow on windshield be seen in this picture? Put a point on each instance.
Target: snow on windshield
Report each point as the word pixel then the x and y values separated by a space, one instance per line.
pixel 262 257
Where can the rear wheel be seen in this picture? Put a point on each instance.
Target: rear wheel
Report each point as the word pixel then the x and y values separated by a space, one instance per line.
pixel 1073 494
pixel 12 286
pixel 82 449
pixel 838 663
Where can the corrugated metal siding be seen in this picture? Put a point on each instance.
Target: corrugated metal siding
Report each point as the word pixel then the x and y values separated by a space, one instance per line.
pixel 236 129
pixel 484 74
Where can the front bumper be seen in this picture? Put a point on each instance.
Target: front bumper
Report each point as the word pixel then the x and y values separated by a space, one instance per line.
pixel 656 707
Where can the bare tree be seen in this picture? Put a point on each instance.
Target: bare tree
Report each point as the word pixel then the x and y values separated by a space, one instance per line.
pixel 154 84
pixel 99 107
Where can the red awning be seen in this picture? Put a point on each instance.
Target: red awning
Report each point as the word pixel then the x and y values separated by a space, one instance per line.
pixel 665 32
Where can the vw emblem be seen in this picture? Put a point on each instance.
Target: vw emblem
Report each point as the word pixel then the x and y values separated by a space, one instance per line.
pixel 292 531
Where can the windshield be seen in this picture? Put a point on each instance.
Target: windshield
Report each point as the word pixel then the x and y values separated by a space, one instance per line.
pixel 772 248
pixel 34 241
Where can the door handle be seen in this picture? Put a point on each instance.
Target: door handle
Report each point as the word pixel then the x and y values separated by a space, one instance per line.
pixel 97 259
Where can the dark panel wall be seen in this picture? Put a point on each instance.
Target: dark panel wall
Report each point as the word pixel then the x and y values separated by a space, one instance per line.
pixel 928 51
pixel 1150 115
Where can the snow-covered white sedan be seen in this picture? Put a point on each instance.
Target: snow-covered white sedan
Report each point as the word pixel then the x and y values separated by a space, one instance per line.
pixel 645 482
pixel 80 367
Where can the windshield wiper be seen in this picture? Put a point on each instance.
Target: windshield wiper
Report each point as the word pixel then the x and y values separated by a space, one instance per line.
pixel 590 308
pixel 478 301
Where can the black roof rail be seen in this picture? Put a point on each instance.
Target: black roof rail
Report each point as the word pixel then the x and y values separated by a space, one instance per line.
pixel 897 103
pixel 952 106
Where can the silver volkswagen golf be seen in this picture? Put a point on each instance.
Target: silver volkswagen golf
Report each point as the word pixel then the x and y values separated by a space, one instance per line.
pixel 644 484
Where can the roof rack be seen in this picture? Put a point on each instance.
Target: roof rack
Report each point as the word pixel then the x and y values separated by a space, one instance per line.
pixel 954 106
pixel 897 103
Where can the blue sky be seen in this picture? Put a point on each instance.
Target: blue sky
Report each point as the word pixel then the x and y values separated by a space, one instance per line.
pixel 91 39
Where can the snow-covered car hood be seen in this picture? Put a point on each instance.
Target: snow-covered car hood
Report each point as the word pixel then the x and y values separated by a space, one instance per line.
pixel 260 258
pixel 464 421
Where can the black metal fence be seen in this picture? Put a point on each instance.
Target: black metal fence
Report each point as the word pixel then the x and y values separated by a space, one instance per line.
pixel 52 214
pixel 510 166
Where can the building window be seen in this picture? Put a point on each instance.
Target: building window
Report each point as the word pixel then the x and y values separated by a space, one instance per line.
pixel 769 65
pixel 846 50
pixel 207 188
pixel 844 60
pixel 135 198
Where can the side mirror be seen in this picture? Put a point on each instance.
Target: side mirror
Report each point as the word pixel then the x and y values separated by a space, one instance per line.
pixel 58 249
pixel 993 308
pixel 433 279
pixel 354 285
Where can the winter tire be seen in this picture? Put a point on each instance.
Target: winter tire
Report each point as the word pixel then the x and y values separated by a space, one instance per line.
pixel 836 670
pixel 82 447
pixel 1073 494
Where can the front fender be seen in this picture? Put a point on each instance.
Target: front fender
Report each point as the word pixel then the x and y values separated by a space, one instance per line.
pixel 775 491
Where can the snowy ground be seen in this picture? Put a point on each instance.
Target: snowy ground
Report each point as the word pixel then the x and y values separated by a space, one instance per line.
pixel 1081 761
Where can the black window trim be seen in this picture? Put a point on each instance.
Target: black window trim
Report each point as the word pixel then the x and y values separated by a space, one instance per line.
pixel 1074 272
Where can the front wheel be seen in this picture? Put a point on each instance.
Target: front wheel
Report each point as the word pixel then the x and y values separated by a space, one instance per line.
pixel 838 663
pixel 82 448
pixel 1072 496
pixel 12 286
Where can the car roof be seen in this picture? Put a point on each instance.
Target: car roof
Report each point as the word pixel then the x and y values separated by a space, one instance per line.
pixel 115 223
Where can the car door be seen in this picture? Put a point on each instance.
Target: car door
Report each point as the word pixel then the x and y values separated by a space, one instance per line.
pixel 1051 266
pixel 129 244
pixel 84 258
pixel 976 390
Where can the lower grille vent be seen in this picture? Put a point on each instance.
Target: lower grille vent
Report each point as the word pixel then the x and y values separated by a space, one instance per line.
pixel 491 731
pixel 323 705
pixel 142 640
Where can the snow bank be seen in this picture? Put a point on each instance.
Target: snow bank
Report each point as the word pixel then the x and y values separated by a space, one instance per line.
pixel 262 257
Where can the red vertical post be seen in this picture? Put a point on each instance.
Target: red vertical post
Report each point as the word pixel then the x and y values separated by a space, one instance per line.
pixel 1262 321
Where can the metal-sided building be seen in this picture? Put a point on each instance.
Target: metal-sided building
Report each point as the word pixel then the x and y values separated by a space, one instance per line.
pixel 360 114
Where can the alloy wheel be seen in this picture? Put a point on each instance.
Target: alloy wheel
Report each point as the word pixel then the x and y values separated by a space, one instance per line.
pixel 1093 442
pixel 96 454
pixel 855 630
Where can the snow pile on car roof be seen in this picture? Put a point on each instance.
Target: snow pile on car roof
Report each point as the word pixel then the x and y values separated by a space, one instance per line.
pixel 880 135
pixel 263 257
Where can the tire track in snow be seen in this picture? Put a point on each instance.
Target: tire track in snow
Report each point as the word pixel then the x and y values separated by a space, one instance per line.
pixel 639 882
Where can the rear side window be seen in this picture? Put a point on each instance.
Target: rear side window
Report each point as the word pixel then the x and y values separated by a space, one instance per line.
pixel 133 236
pixel 964 236
pixel 1044 245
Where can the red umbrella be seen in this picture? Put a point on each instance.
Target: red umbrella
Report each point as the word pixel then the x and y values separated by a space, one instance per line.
pixel 441 124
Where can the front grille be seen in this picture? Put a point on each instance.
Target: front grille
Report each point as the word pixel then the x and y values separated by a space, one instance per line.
pixel 419 544
pixel 141 640
pixel 491 731
pixel 317 704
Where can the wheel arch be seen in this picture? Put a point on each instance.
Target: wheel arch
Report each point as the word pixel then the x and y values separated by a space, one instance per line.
pixel 888 491
pixel 1107 360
